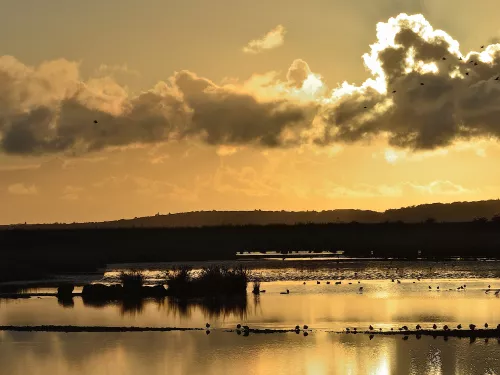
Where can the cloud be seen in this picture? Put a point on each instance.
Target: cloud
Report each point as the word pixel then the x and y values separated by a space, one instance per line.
pixel 440 188
pixel 22 189
pixel 442 96
pixel 272 39
pixel 72 193
pixel 51 109
pixel 398 190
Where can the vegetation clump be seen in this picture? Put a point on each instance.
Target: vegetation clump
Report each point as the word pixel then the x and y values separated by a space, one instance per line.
pixel 211 281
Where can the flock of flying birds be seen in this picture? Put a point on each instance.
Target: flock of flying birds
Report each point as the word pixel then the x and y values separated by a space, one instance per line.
pixel 466 73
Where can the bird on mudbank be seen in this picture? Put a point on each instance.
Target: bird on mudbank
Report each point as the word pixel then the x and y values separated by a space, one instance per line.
pixel 418 327
pixel 472 327
pixel 446 328
pixel 459 326
pixel 207 325
pixel 434 326
pixel 485 325
pixel 370 328
pixel 238 326
pixel 306 326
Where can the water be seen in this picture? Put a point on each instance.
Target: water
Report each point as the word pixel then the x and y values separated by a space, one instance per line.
pixel 327 308
pixel 382 303
pixel 226 353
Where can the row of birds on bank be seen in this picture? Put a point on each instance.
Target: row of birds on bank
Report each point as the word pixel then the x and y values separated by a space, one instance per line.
pixel 246 329
pixel 418 327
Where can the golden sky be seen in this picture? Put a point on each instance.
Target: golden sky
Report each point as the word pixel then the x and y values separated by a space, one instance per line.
pixel 244 105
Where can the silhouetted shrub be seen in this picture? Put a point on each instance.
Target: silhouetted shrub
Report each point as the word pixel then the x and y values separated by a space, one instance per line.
pixel 132 281
pixel 65 291
pixel 211 281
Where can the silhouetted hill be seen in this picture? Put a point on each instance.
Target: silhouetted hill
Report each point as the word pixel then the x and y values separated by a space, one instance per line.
pixel 440 212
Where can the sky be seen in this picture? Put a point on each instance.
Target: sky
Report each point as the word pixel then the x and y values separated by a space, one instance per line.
pixel 119 108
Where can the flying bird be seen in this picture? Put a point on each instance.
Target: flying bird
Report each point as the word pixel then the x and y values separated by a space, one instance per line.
pixel 475 63
pixel 496 79
pixel 467 73
pixel 421 83
pixel 482 46
pixel 444 58
pixel 394 92
pixel 95 121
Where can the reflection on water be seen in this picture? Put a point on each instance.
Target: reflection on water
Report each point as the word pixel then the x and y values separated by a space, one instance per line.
pixel 227 353
pixel 383 304
pixel 219 307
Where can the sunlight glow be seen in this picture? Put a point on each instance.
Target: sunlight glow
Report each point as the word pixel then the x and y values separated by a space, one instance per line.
pixel 391 156
pixel 312 84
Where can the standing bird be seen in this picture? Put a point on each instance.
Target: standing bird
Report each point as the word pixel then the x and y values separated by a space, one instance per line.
pixel 306 326
pixel 360 288
pixel 486 325
pixel 370 328
pixel 430 287
pixel 434 326
pixel 446 328
pixel 472 327
pixel 207 325
pixel 459 326
pixel 418 327
pixel 317 282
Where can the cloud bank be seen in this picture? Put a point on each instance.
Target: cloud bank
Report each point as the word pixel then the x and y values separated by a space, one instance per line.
pixel 272 39
pixel 423 93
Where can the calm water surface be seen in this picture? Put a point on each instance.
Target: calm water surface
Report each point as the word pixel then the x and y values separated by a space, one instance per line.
pixel 228 353
pixel 326 308
pixel 382 303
